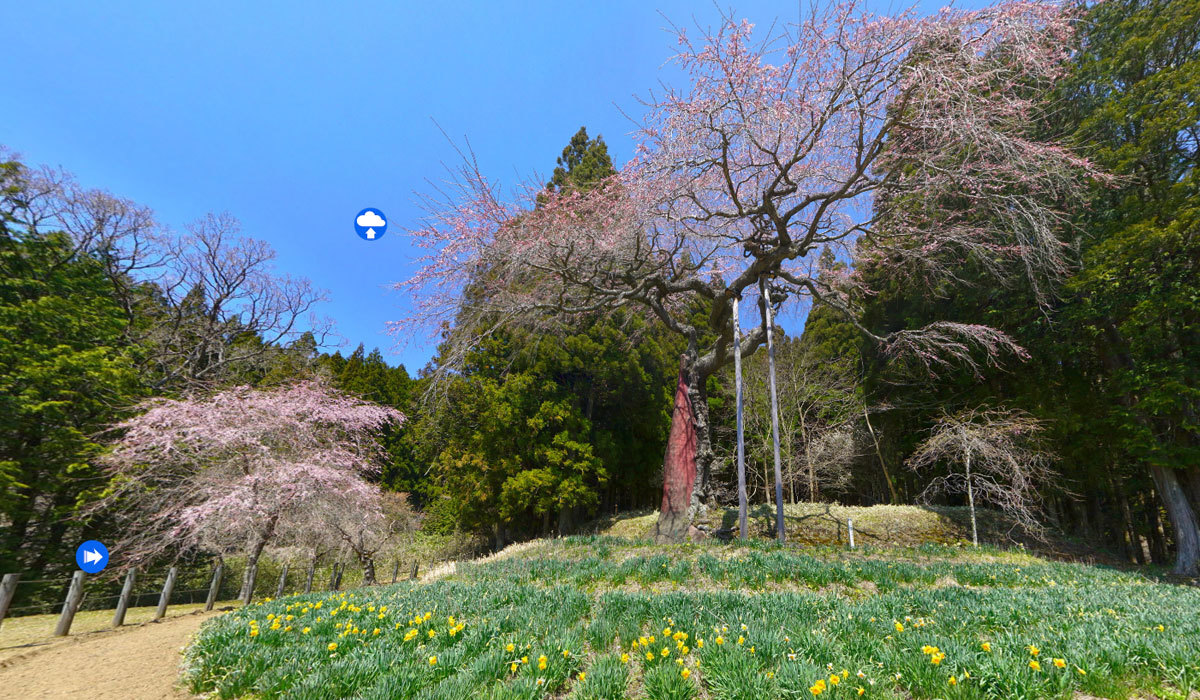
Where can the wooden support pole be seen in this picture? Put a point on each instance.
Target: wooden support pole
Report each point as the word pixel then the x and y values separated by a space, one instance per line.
pixel 8 588
pixel 769 326
pixel 282 582
pixel 214 587
pixel 165 598
pixel 850 529
pixel 396 571
pixel 743 505
pixel 312 569
pixel 71 604
pixel 123 600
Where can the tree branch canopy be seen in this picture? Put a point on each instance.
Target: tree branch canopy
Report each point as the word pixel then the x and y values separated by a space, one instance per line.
pixel 888 140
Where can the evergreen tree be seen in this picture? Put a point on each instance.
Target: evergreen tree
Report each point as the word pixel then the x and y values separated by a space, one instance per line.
pixel 65 371
pixel 583 163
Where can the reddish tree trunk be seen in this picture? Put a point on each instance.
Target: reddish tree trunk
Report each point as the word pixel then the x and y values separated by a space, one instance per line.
pixel 679 468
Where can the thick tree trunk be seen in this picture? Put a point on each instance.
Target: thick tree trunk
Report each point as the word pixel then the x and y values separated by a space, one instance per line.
pixel 251 572
pixel 1183 519
pixel 680 464
pixel 252 559
pixel 368 567
pixel 1191 479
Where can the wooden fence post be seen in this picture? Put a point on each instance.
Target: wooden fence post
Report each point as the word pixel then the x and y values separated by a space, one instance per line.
pixel 8 588
pixel 850 529
pixel 165 598
pixel 413 577
pixel 396 571
pixel 71 604
pixel 214 587
pixel 312 569
pixel 123 601
pixel 282 582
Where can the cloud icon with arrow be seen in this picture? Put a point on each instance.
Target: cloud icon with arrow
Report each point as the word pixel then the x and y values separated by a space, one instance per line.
pixel 370 224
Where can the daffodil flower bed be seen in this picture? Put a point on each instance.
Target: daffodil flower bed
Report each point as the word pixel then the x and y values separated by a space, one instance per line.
pixel 564 621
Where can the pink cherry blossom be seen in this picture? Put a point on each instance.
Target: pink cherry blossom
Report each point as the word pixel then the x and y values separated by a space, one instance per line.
pixel 902 143
pixel 235 471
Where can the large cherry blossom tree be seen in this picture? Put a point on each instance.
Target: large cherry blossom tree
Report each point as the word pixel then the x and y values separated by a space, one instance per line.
pixel 904 141
pixel 238 470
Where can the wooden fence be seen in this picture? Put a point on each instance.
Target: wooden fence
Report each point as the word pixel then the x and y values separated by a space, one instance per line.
pixel 76 587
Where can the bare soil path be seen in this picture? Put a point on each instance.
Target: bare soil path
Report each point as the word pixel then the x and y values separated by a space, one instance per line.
pixel 132 663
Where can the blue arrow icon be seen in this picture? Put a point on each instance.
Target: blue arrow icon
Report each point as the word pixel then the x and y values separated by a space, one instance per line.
pixel 92 556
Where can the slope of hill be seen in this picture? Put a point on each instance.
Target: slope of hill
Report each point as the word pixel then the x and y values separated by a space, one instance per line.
pixel 606 617
pixel 880 526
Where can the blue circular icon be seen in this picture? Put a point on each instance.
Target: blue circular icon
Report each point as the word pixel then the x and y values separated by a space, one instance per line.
pixel 92 556
pixel 370 224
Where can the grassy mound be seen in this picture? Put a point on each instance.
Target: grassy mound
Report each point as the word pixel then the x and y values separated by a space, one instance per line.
pixel 881 525
pixel 604 617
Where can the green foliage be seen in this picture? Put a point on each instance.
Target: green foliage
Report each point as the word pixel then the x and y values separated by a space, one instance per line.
pixel 526 456
pixel 368 375
pixel 583 163
pixel 64 372
pixel 1135 300
pixel 543 426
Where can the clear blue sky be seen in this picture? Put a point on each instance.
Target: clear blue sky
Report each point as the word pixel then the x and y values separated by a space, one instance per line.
pixel 293 116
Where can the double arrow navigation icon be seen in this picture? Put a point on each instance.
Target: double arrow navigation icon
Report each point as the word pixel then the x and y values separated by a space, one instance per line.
pixel 91 556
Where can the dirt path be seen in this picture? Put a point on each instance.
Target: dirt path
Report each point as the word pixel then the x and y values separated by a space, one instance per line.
pixel 135 663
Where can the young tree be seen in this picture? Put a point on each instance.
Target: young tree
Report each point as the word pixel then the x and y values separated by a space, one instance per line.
pixel 232 471
pixel 819 407
pixel 1001 459
pixel 375 526
pixel 773 151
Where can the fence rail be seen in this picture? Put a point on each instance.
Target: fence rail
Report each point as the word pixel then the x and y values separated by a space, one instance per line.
pixel 161 590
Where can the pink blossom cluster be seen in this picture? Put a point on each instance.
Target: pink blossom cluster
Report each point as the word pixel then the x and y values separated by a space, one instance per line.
pixel 242 466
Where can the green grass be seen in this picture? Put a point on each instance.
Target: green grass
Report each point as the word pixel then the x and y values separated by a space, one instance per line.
pixel 582 614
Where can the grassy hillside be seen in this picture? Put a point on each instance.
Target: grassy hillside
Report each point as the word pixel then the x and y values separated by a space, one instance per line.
pixel 605 617
pixel 882 526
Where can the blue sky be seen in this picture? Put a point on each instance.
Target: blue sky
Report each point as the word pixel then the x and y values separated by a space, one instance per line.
pixel 293 116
